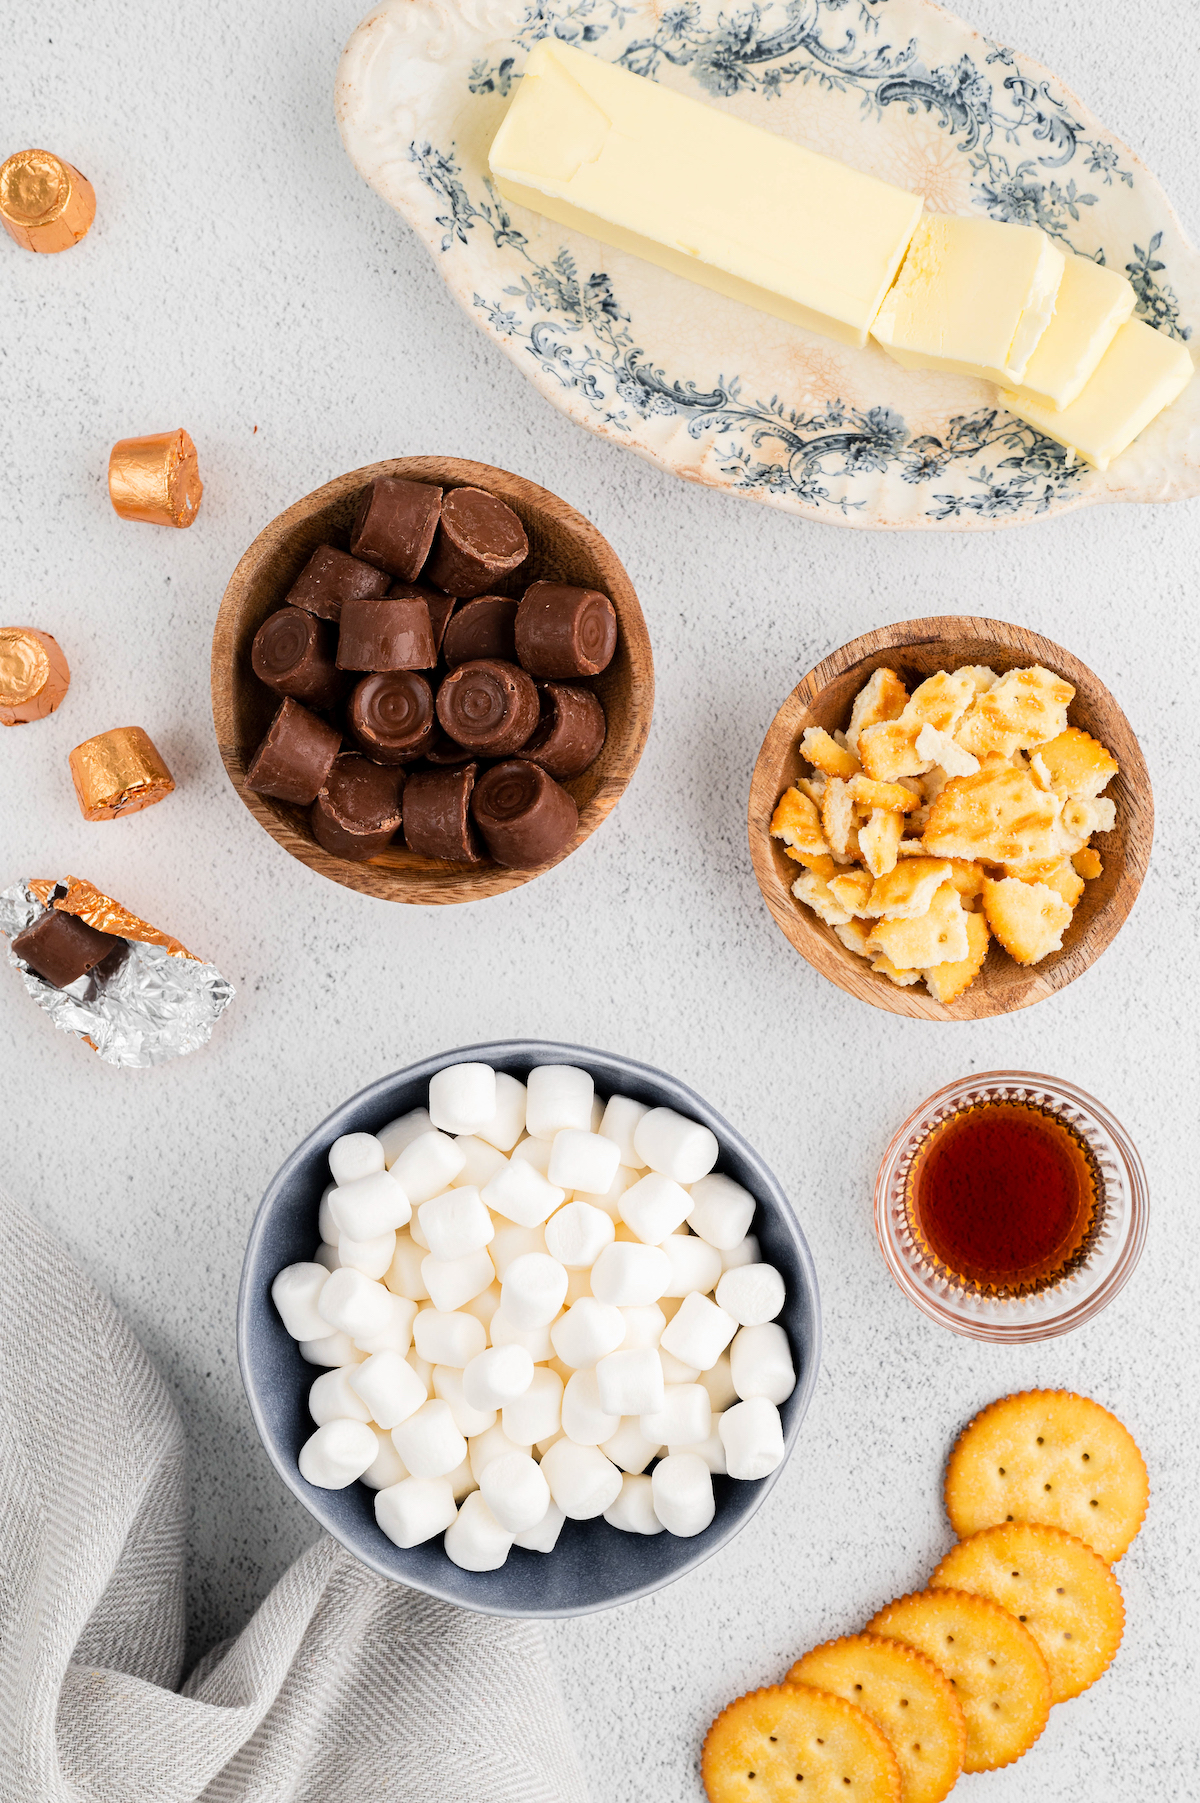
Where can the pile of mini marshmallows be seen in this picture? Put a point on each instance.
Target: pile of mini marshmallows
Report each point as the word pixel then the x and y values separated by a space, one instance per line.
pixel 526 1299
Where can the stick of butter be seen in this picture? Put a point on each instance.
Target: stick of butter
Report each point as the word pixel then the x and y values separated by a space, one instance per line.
pixel 973 296
pixel 1093 304
pixel 1142 372
pixel 700 193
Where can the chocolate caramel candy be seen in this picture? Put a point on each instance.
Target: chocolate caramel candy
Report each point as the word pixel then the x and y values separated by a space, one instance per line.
pixel 293 653
pixel 386 633
pixel 156 479
pixel 488 706
pixel 443 752
pixel 484 627
pixel 564 632
pixel 34 676
pixel 295 757
pixel 570 733
pixel 60 947
pixel 45 204
pixel 437 819
pixel 357 813
pixel 479 540
pixel 395 524
pixel 118 772
pixel 440 606
pixel 391 716
pixel 523 814
pixel 330 578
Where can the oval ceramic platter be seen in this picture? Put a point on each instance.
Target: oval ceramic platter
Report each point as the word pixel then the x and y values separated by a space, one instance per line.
pixel 717 392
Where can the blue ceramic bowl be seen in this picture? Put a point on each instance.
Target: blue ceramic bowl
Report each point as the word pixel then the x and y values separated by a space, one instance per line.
pixel 594 1566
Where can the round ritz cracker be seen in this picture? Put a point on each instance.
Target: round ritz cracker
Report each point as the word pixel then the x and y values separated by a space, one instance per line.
pixel 905 1695
pixel 789 1743
pixel 1061 1590
pixel 994 1664
pixel 1054 1457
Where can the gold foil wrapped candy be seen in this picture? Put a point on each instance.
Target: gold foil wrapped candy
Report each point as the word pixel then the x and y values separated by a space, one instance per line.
pixel 45 204
pixel 156 479
pixel 34 675
pixel 118 772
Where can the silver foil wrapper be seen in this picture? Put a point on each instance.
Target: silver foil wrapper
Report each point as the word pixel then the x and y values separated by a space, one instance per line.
pixel 140 1006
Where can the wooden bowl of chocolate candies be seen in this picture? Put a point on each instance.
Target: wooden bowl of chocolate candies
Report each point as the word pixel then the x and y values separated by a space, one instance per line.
pixel 431 680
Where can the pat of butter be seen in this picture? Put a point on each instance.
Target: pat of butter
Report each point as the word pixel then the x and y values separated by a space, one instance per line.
pixel 1142 372
pixel 1093 304
pixel 700 193
pixel 973 296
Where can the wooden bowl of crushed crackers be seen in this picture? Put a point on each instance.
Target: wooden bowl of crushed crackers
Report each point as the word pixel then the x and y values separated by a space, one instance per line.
pixel 950 818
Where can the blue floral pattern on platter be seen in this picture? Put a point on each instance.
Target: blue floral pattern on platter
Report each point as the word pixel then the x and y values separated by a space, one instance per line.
pixel 1010 142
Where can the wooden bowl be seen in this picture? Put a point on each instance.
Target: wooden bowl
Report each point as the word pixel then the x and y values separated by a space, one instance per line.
pixel 562 545
pixel 915 649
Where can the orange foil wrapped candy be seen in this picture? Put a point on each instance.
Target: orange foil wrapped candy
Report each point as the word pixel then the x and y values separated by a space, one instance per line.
pixel 45 204
pixel 156 479
pixel 34 676
pixel 118 772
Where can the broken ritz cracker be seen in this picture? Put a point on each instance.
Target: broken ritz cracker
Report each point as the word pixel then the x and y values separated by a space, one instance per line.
pixel 940 819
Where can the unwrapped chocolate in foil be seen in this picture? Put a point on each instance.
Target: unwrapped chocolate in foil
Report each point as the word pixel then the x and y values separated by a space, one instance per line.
pixel 148 1001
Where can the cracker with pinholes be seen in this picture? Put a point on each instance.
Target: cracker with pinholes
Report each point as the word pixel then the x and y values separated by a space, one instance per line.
pixel 905 1695
pixel 994 1664
pixel 1029 919
pixel 999 815
pixel 786 1742
pixel 939 936
pixel 1025 708
pixel 883 697
pixel 1076 764
pixel 1055 1585
pixel 953 977
pixel 1052 1456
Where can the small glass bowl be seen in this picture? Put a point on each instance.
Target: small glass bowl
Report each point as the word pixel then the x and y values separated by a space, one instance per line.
pixel 1084 1291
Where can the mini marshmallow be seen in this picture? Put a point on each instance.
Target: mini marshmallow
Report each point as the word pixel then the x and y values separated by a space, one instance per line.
pixel 695 1265
pixel 752 1294
pixel 653 1207
pixel 633 1510
pixel 699 1332
pixel 752 1435
pixel 328 1256
pixel 462 1480
pixel 629 1447
pixel 515 1491
pixel 718 1381
pixel 584 1161
pixel 619 1123
pixel 331 1349
pixel 295 1293
pixel 422 1367
pixel 760 1363
pixel 537 1413
pixel 453 1281
pixel 721 1211
pixel 483 1161
pixel 352 1302
pixel 388 1386
pixel 682 1491
pixel 608 1201
pixel 497 1376
pixel 508 1122
pixel 355 1155
pixel 484 1306
pixel 746 1252
pixel 372 1257
pixel 448 1336
pixel 428 1441
pixel 370 1206
pixel 337 1453
pixel 513 1242
pixel 418 1238
pixel 597 1113
pixel 627 1274
pixel 712 1451
pixel 521 1193
pixel 428 1165
pixel 332 1399
pixel 559 1095
pixel 448 1388
pixel 415 1509
pixel 584 1417
pixel 532 1291
pixel 643 1326
pixel 401 1132
pixel 684 1418
pixel 577 1234
pixel 675 1371
pixel 535 1152
pixel 675 1146
pixel 396 1334
pixel 456 1223
pixel 629 1383
pixel 544 1537
pixel 535 1340
pixel 587 1331
pixel 475 1540
pixel 462 1097
pixel 494 1444
pixel 327 1227
pixel 582 1481
pixel 387 1467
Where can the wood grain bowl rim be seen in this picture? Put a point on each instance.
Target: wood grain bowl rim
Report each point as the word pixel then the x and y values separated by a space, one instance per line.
pixel 1023 986
pixel 450 882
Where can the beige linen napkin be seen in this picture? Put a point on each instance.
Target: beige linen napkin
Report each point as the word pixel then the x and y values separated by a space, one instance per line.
pixel 343 1688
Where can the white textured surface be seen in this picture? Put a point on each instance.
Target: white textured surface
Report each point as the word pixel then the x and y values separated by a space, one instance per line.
pixel 240 275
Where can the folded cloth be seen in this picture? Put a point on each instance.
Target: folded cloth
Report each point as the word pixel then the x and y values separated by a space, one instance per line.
pixel 342 1687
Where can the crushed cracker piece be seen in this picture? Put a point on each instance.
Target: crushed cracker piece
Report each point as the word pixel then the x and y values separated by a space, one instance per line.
pixel 797 822
pixel 946 982
pixel 853 935
pixel 938 936
pixel 816 893
pixel 837 816
pixel 879 841
pixel 882 698
pixel 999 815
pixel 1028 919
pixel 1024 709
pixel 945 752
pixel 903 979
pixel 1087 863
pixel 1077 765
pixel 906 892
pixel 824 753
pixel 898 798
